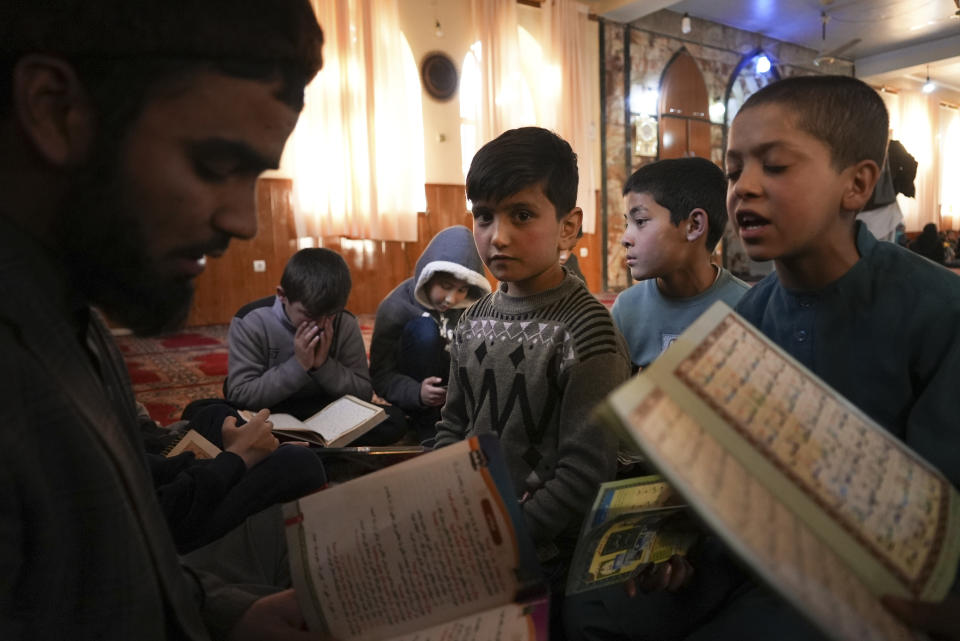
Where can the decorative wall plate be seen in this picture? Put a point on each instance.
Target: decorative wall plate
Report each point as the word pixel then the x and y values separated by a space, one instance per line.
pixel 439 75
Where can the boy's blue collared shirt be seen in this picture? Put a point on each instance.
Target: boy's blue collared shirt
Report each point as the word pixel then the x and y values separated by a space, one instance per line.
pixel 885 335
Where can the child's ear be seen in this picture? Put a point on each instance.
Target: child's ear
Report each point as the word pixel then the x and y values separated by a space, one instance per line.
pixel 569 226
pixel 280 293
pixel 53 109
pixel 696 225
pixel 863 178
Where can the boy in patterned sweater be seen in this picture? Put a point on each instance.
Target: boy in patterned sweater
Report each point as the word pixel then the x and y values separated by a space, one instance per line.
pixel 531 360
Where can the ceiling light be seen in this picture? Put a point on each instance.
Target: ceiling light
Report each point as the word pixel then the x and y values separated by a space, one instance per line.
pixel 685 25
pixel 763 64
pixel 929 86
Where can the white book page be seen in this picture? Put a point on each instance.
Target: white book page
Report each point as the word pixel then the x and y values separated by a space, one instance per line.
pixel 512 622
pixel 771 538
pixel 402 549
pixel 339 417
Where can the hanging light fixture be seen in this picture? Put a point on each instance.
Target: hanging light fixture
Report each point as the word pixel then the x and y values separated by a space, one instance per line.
pixel 929 86
pixel 685 26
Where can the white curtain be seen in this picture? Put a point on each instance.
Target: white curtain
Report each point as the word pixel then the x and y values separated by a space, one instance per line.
pixel 566 64
pixel 950 167
pixel 502 84
pixel 356 156
pixel 917 129
pixel 529 81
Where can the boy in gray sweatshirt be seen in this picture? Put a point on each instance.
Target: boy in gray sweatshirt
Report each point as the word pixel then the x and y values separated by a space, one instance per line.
pixel 305 350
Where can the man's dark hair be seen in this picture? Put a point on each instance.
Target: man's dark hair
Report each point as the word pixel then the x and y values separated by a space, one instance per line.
pixel 520 158
pixel 682 185
pixel 844 113
pixel 123 49
pixel 319 279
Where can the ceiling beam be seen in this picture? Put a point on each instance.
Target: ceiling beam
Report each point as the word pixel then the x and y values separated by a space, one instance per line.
pixel 628 10
pixel 911 56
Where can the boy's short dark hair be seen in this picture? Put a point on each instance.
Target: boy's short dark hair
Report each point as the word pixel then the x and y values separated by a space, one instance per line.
pixel 519 158
pixel 842 112
pixel 319 279
pixel 121 49
pixel 682 185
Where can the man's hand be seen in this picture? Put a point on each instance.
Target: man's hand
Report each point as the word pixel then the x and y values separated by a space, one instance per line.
pixel 431 394
pixel 252 441
pixel 671 575
pixel 941 620
pixel 305 342
pixel 275 617
pixel 325 340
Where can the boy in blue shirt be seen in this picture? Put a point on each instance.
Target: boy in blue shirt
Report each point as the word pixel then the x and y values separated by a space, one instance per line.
pixel 876 322
pixel 675 218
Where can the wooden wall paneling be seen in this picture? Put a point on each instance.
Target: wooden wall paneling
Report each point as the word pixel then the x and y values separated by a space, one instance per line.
pixel 229 282
pixel 592 265
pixel 683 91
pixel 698 138
pixel 376 267
pixel 673 137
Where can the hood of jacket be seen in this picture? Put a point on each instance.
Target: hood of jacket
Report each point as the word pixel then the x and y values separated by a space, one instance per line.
pixel 454 252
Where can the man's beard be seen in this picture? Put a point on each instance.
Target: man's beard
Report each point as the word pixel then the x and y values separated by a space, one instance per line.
pixel 104 249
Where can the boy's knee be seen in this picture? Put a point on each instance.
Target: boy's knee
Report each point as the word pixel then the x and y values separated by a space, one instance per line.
pixel 421 333
pixel 300 464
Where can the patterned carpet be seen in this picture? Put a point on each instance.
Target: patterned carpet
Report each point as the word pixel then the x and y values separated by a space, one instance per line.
pixel 170 371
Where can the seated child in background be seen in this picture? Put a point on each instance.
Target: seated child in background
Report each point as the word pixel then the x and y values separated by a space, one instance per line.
pixel 306 350
pixel 531 360
pixel 675 217
pixel 410 353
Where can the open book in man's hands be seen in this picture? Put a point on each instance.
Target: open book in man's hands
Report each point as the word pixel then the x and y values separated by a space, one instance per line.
pixel 339 423
pixel 431 548
pixel 825 505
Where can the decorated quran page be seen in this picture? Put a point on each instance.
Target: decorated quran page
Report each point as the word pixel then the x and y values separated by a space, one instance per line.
pixel 437 540
pixel 825 505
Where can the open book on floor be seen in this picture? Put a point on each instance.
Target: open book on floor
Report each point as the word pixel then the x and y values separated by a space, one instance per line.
pixel 634 523
pixel 337 424
pixel 431 548
pixel 821 502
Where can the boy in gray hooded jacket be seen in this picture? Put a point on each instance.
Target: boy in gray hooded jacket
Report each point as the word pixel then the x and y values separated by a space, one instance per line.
pixel 409 354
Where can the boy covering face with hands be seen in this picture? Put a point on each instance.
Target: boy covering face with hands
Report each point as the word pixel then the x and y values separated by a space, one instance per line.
pixel 305 350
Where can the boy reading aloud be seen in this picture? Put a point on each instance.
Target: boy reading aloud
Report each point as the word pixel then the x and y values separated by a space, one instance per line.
pixel 530 360
pixel 803 155
pixel 410 352
pixel 675 217
pixel 305 351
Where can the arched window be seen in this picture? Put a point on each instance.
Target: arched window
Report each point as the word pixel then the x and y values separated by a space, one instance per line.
pixel 755 71
pixel 684 109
